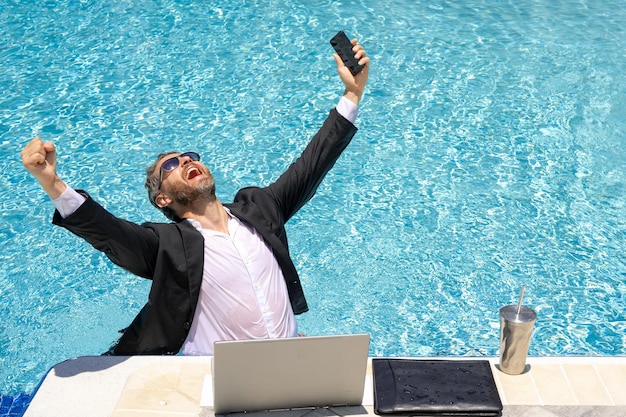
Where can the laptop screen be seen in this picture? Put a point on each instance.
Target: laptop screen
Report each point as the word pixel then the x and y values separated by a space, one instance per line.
pixel 300 372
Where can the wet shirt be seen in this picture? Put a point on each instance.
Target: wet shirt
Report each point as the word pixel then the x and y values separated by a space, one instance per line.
pixel 243 293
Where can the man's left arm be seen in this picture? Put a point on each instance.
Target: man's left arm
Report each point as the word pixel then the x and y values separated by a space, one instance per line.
pixel 299 183
pixel 296 186
pixel 347 109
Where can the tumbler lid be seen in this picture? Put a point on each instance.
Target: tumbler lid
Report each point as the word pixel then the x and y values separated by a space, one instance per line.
pixel 525 315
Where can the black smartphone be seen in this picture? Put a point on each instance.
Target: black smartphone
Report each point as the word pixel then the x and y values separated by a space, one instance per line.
pixel 343 47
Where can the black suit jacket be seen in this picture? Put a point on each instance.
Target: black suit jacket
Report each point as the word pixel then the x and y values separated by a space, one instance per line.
pixel 172 254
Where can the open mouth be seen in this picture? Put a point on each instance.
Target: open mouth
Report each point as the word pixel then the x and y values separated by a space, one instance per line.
pixel 193 172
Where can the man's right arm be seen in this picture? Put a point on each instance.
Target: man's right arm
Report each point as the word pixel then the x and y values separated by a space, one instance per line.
pixel 132 246
pixel 39 158
pixel 129 245
pixel 68 202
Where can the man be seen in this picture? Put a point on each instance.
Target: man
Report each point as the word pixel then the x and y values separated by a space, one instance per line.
pixel 219 271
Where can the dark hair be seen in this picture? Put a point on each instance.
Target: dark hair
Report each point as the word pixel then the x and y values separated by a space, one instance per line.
pixel 152 184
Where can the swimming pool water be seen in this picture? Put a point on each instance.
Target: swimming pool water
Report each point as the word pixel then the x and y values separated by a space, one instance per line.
pixel 490 156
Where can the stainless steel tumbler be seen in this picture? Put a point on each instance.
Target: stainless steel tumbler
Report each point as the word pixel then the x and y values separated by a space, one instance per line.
pixel 516 327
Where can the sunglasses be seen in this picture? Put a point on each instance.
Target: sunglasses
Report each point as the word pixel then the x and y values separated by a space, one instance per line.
pixel 172 163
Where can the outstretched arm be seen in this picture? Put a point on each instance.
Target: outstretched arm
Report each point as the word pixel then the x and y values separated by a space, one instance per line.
pixel 355 84
pixel 129 245
pixel 298 184
pixel 39 158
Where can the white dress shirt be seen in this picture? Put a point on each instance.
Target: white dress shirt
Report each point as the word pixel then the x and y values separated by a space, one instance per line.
pixel 243 293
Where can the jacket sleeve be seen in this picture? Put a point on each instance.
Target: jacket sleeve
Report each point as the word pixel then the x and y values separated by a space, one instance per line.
pixel 296 186
pixel 129 245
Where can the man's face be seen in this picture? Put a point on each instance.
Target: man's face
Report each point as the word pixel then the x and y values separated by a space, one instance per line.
pixel 184 178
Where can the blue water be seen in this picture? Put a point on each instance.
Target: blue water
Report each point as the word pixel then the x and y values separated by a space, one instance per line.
pixel 490 156
pixel 14 406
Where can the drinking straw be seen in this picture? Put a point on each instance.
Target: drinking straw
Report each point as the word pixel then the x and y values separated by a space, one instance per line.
pixel 521 297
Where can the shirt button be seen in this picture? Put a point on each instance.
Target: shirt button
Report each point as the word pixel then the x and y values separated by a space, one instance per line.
pixel 186 325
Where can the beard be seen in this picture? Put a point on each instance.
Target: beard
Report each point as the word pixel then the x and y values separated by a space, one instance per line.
pixel 188 196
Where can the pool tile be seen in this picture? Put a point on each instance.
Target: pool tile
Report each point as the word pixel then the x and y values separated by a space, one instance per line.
pixel 157 400
pixel 191 379
pixel 14 405
pixel 586 385
pixel 614 379
pixel 157 376
pixel 144 413
pixel 552 385
pixel 159 389
pixel 517 389
pixel 167 382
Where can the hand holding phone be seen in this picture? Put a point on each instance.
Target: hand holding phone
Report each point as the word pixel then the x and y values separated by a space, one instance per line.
pixel 343 47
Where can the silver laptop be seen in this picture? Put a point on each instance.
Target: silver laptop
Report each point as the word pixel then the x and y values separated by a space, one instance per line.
pixel 281 374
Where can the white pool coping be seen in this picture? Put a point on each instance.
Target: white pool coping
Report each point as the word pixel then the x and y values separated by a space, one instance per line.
pixel 158 386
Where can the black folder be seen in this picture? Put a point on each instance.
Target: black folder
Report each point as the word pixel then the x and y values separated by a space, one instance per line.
pixel 418 387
